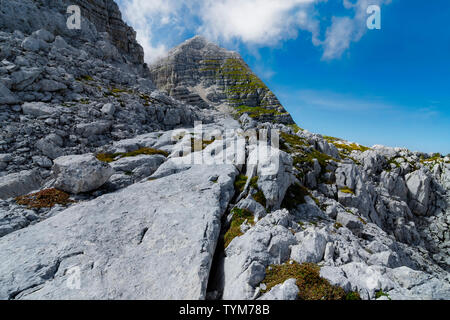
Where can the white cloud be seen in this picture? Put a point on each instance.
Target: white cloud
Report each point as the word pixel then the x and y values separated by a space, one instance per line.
pixel 147 17
pixel 345 30
pixel 338 37
pixel 160 24
pixel 261 22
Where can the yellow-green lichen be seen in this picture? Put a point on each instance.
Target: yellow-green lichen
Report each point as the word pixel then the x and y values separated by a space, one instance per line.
pixel 347 190
pixel 110 157
pixel 348 148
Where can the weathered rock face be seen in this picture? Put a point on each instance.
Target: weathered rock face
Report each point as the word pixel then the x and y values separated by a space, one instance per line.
pixel 247 257
pixel 418 184
pixel 103 14
pixel 274 170
pixel 201 73
pixel 153 240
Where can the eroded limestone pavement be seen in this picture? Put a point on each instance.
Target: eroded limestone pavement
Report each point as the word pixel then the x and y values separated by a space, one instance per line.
pixel 110 192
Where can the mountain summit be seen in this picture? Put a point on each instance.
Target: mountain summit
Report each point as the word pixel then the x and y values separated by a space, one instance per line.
pixel 202 73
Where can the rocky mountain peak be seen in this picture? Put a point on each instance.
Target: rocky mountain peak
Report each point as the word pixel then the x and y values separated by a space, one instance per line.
pixel 204 74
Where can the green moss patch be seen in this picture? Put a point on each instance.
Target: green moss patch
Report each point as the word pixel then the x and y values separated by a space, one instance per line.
pixel 380 294
pixel 311 285
pixel 338 225
pixel 331 139
pixel 435 158
pixel 241 86
pixel 238 218
pixel 347 190
pixel 292 143
pixel 256 112
pixel 314 154
pixel 47 198
pixel 110 157
pixel 239 183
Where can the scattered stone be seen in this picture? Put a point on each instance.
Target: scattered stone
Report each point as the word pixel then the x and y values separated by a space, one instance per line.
pixel 83 173
pixel 17 184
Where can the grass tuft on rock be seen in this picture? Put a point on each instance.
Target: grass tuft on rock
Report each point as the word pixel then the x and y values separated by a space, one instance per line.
pixel 292 143
pixel 337 225
pixel 347 190
pixel 111 157
pixel 311 285
pixel 238 218
pixel 380 294
pixel 195 144
pixel 239 183
pixel 348 148
pixel 47 198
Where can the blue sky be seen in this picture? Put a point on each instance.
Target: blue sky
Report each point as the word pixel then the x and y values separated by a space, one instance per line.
pixel 336 77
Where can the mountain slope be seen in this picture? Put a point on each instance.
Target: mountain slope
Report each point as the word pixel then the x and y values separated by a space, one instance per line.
pixel 200 72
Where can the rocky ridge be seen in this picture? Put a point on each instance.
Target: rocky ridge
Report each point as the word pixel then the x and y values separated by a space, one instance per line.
pixel 108 183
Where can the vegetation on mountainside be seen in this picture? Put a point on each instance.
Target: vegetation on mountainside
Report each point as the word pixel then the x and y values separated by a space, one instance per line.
pixel 256 112
pixel 239 216
pixel 351 147
pixel 240 183
pixel 434 159
pixel 380 294
pixel 111 157
pixel 47 198
pixel 308 280
pixel 242 87
pixel 301 152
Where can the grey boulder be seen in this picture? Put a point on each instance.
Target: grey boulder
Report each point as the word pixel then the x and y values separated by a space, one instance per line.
pixel 80 173
pixel 37 109
pixel 6 96
pixel 288 290
pixel 18 184
pixel 311 247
